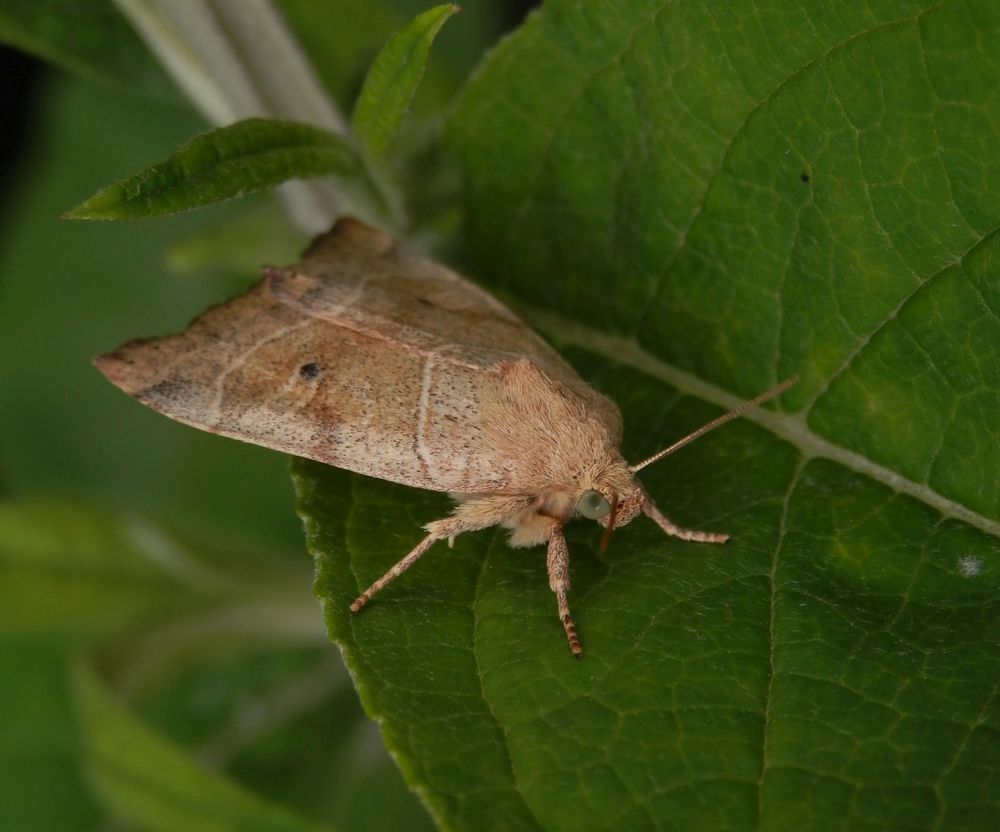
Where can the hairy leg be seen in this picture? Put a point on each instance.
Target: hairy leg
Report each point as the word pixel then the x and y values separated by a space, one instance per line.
pixel 394 573
pixel 468 516
pixel 558 565
pixel 653 513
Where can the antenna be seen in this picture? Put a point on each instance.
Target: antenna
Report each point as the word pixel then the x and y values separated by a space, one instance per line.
pixel 735 413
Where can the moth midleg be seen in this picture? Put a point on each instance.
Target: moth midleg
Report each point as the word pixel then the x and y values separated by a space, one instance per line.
pixel 558 566
pixel 472 515
pixel 653 513
pixel 394 573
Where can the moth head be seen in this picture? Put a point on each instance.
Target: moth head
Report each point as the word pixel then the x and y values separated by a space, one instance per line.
pixel 594 505
pixel 616 497
pixel 601 502
pixel 624 508
pixel 627 506
pixel 612 501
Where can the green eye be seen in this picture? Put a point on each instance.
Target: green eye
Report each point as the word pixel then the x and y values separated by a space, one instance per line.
pixel 593 505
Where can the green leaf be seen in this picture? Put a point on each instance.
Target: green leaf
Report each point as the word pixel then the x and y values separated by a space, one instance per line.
pixel 393 78
pixel 709 203
pixel 259 233
pixel 80 575
pixel 147 780
pixel 342 38
pixel 259 714
pixel 41 780
pixel 223 164
pixel 685 198
pixel 88 37
pixel 105 571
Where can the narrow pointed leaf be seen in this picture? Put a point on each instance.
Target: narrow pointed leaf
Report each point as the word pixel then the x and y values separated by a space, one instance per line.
pixel 223 164
pixel 149 781
pixel 41 782
pixel 393 78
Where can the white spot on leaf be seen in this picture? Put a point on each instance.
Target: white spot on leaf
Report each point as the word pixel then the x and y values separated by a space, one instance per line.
pixel 970 566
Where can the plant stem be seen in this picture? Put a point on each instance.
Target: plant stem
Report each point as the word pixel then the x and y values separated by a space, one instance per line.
pixel 235 59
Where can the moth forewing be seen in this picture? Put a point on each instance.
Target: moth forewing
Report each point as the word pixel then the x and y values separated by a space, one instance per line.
pixel 370 357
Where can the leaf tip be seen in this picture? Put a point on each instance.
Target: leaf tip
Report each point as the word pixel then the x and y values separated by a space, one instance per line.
pixel 91 209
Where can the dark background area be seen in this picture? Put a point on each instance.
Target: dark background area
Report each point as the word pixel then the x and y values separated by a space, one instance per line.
pixel 22 78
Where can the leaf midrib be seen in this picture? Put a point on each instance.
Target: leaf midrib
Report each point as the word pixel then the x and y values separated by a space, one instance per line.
pixel 790 427
pixel 772 598
pixel 515 781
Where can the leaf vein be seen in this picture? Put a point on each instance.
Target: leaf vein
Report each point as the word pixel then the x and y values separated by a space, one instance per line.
pixel 979 722
pixel 892 316
pixel 790 427
pixel 772 583
pixel 647 308
pixel 501 727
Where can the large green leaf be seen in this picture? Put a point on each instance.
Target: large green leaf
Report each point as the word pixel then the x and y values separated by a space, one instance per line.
pixel 711 202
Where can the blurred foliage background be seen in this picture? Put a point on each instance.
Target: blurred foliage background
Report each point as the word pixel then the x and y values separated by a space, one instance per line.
pixel 111 503
pixel 696 205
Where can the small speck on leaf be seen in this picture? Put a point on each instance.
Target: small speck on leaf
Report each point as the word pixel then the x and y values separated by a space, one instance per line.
pixel 804 177
pixel 970 566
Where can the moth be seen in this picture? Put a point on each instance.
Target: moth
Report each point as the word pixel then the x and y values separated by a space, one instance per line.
pixel 371 357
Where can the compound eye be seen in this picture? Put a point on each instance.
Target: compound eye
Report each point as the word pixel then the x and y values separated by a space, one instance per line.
pixel 593 505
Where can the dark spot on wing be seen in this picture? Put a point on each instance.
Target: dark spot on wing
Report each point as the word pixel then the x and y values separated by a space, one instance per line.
pixel 310 371
pixel 163 392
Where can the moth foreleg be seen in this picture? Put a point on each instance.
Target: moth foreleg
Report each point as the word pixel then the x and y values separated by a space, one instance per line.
pixel 474 514
pixel 558 565
pixel 654 514
pixel 395 572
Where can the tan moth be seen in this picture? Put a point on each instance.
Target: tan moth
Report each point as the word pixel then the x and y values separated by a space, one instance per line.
pixel 370 357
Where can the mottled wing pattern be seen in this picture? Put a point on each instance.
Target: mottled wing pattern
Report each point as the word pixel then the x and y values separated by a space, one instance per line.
pixel 360 278
pixel 380 387
pixel 256 370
